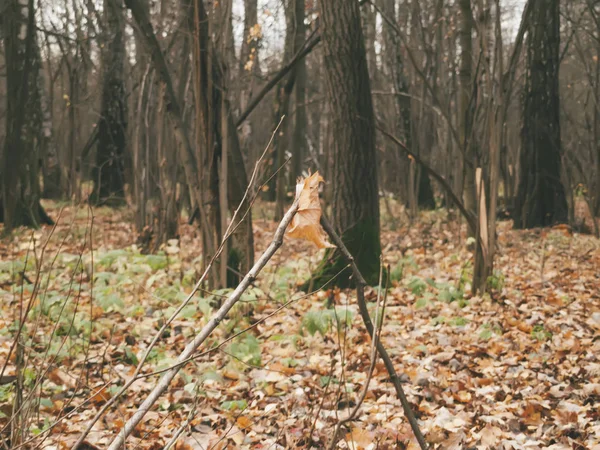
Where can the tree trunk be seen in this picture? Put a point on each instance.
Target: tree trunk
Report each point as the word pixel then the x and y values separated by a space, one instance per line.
pixel 541 199
pixel 354 174
pixel 211 98
pixel 109 172
pixel 419 189
pixel 299 142
pixel 464 104
pixel 249 76
pixel 20 185
pixel 296 141
pixel 282 106
pixel 50 167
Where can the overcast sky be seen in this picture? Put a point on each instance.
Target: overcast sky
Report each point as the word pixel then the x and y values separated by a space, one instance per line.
pixel 272 21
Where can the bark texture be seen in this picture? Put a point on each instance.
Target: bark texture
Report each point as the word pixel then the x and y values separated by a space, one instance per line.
pixel 465 107
pixel 20 159
pixel 355 199
pixel 541 199
pixel 109 172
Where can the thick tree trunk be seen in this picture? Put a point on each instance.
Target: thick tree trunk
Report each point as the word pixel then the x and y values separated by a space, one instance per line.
pixel 20 165
pixel 354 174
pixel 541 199
pixel 109 172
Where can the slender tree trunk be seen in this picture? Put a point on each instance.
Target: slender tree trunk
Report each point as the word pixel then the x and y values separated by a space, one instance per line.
pixel 249 74
pixel 284 93
pixel 420 138
pixel 51 167
pixel 354 174
pixel 208 142
pixel 140 171
pixel 541 199
pixel 211 97
pixel 282 106
pixel 464 115
pixel 299 143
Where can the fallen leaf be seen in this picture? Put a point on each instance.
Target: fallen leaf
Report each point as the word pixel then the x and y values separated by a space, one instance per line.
pixel 61 378
pixel 306 223
pixel 243 422
pixel 361 438
pixel 489 436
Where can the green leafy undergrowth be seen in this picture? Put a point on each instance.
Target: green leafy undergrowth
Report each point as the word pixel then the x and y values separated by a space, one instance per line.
pixel 322 320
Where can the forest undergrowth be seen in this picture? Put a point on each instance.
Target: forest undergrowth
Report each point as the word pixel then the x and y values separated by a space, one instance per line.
pixel 516 368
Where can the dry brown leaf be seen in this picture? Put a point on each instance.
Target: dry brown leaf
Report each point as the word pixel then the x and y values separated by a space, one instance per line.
pixel 231 375
pixel 61 378
pixel 243 422
pixel 361 438
pixel 489 436
pixel 306 223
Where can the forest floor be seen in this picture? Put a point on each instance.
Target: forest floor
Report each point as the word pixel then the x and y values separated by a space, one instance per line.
pixel 519 368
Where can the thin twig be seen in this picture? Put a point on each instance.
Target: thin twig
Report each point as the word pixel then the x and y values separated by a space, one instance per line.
pixel 307 47
pixel 181 429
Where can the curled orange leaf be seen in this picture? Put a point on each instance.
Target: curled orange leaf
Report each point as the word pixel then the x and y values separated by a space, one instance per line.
pixel 306 223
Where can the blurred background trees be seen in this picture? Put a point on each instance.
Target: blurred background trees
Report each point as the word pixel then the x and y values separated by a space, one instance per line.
pixel 166 106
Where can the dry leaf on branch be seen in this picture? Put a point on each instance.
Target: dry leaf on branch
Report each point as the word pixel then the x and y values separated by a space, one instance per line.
pixel 306 223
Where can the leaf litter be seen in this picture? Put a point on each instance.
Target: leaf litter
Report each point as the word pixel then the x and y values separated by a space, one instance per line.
pixel 516 369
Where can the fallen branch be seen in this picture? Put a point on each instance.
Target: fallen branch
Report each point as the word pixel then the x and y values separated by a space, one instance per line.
pixel 233 298
pixel 364 314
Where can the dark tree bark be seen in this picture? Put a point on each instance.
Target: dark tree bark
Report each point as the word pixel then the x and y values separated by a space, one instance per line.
pixel 109 172
pixel 299 143
pixel 283 97
pixel 50 167
pixel 541 199
pixel 20 162
pixel 420 192
pixel 355 203
pixel 216 119
pixel 465 76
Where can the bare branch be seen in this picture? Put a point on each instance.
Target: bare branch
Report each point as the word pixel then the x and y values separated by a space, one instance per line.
pixel 469 217
pixel 308 47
